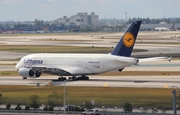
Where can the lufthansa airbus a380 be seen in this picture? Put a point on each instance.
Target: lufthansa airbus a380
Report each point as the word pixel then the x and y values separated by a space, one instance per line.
pixel 74 65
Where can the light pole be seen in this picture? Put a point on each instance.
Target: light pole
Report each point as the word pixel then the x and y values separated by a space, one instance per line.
pixel 174 99
pixel 64 98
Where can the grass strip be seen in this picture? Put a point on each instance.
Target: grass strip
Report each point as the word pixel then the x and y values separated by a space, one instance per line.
pixel 103 96
pixel 54 49
pixel 113 73
pixel 53 34
pixel 58 49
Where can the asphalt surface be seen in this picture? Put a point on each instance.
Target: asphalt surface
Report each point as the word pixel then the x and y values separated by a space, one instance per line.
pixel 99 81
pixel 155 81
pixel 157 43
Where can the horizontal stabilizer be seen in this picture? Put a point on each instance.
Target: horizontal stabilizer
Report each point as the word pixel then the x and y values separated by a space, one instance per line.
pixel 154 59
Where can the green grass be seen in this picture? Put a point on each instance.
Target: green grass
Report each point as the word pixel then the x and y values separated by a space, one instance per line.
pixel 57 49
pixel 54 34
pixel 113 73
pixel 9 73
pixel 45 34
pixel 103 96
pixel 54 49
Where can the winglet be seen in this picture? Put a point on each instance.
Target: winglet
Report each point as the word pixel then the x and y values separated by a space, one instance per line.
pixel 126 44
pixel 169 59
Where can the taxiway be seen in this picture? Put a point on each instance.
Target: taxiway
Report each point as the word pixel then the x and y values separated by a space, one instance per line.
pixel 157 43
pixel 100 81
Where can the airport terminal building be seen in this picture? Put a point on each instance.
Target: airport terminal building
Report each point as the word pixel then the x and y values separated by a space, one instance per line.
pixel 79 19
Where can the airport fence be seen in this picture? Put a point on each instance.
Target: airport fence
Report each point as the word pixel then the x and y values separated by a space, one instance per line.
pixel 80 113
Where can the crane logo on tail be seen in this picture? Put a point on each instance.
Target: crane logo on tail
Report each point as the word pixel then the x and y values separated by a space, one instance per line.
pixel 128 39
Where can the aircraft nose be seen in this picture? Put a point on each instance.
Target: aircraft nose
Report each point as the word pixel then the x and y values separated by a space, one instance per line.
pixel 17 66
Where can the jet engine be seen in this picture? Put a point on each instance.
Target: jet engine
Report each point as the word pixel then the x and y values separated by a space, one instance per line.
pixel 26 72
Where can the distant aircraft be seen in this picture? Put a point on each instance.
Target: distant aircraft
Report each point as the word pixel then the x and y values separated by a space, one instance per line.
pixel 162 29
pixel 74 65
pixel 165 28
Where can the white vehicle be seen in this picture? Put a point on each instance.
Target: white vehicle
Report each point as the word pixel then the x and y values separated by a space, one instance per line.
pixel 91 112
pixel 74 65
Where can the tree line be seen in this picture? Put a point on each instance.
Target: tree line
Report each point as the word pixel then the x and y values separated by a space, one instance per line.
pixel 110 25
pixel 155 21
pixel 55 99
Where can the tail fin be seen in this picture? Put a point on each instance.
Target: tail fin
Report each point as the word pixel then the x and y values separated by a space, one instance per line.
pixel 126 44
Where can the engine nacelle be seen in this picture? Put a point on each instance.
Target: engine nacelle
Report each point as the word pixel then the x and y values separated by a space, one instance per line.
pixel 26 72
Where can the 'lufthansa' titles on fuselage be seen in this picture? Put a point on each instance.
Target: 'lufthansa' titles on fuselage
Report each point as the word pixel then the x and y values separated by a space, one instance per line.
pixel 32 62
pixel 93 62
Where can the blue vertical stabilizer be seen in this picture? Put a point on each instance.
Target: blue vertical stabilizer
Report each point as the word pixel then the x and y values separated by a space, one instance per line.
pixel 126 43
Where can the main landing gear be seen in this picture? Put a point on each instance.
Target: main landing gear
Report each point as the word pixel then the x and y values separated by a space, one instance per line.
pixel 83 77
pixel 74 78
pixel 61 79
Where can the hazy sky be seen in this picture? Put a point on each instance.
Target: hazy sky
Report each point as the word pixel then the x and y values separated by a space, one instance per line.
pixel 48 10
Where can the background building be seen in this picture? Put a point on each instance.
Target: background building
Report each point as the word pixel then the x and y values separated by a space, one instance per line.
pixel 80 19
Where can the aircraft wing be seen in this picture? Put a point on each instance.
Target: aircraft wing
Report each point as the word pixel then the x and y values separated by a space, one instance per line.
pixel 55 70
pixel 154 59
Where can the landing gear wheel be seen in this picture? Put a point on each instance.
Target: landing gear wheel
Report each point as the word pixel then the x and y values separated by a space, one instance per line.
pixel 24 77
pixel 61 78
pixel 74 78
pixel 83 77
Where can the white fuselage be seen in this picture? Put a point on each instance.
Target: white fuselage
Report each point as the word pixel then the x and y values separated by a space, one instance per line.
pixel 78 64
